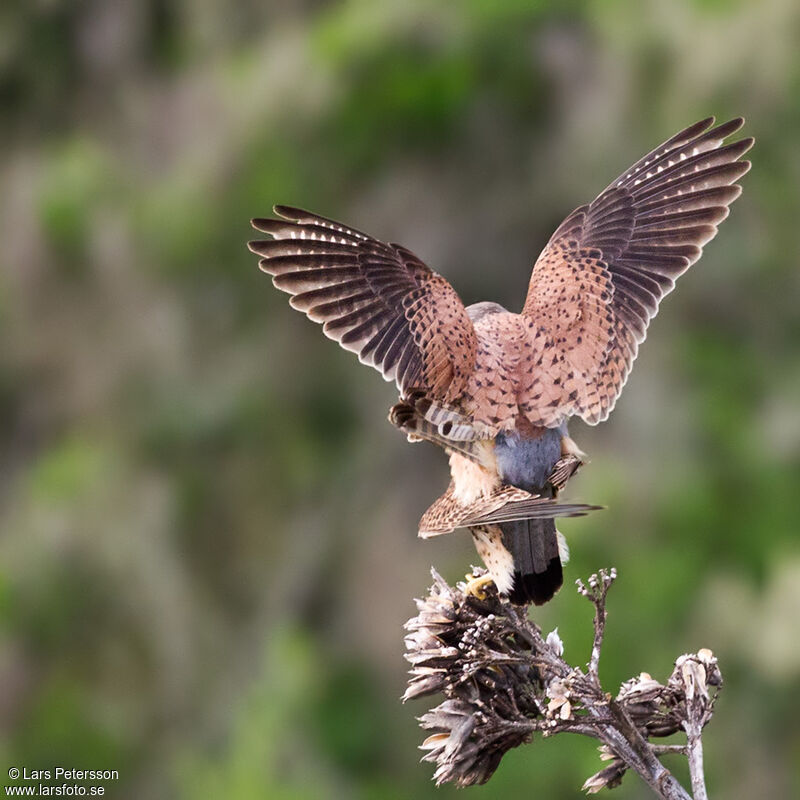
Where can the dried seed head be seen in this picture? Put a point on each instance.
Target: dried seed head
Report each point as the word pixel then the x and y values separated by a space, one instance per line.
pixel 555 643
pixel 607 778
pixel 501 681
pixel 465 747
pixel 471 651
pixel 640 689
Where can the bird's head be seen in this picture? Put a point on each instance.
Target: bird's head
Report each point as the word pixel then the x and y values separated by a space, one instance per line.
pixel 479 310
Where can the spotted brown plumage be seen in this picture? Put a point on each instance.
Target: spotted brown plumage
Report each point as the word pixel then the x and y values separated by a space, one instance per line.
pixel 496 388
pixel 602 275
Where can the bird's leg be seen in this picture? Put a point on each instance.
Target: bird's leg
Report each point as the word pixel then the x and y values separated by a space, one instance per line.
pixel 476 584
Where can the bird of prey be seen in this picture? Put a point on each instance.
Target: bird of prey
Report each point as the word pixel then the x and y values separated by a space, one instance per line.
pixel 496 388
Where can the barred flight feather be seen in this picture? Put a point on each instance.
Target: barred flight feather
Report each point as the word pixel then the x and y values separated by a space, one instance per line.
pixel 377 300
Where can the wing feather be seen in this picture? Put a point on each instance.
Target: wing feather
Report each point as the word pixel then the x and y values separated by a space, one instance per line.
pixel 622 254
pixel 376 299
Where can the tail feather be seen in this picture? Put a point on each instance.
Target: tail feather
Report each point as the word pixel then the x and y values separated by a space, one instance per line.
pixel 533 544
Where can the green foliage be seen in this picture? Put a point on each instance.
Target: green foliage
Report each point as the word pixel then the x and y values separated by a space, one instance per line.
pixel 72 188
pixel 64 473
pixel 266 746
pixel 63 727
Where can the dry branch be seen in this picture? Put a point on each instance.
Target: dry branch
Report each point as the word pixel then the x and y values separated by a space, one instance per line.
pixel 503 681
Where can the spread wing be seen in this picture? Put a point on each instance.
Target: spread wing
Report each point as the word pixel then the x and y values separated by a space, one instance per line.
pixel 602 275
pixel 378 300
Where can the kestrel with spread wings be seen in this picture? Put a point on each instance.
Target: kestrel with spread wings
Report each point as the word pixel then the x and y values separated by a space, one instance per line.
pixel 496 388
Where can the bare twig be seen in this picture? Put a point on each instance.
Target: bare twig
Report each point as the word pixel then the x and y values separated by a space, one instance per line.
pixel 503 682
pixel 664 749
pixel 695 756
pixel 697 672
pixel 599 585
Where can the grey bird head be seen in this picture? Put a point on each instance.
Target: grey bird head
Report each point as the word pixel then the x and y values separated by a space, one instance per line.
pixel 478 310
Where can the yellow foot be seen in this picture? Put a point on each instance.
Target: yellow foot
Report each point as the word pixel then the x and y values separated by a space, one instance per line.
pixel 476 584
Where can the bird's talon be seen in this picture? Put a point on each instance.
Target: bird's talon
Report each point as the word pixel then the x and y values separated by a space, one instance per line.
pixel 476 584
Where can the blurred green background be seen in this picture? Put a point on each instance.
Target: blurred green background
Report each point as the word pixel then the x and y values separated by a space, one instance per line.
pixel 208 539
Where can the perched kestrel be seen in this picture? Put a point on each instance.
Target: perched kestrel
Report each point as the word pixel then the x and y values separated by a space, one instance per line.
pixel 496 388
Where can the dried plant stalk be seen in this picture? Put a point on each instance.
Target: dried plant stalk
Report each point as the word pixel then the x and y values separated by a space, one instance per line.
pixel 503 681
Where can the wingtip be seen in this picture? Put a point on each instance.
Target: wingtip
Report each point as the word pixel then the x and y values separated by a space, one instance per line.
pixel 430 534
pixel 705 127
pixel 260 223
pixel 726 129
pixel 745 145
pixel 584 509
pixel 696 129
pixel 284 212
pixel 288 212
pixel 737 190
